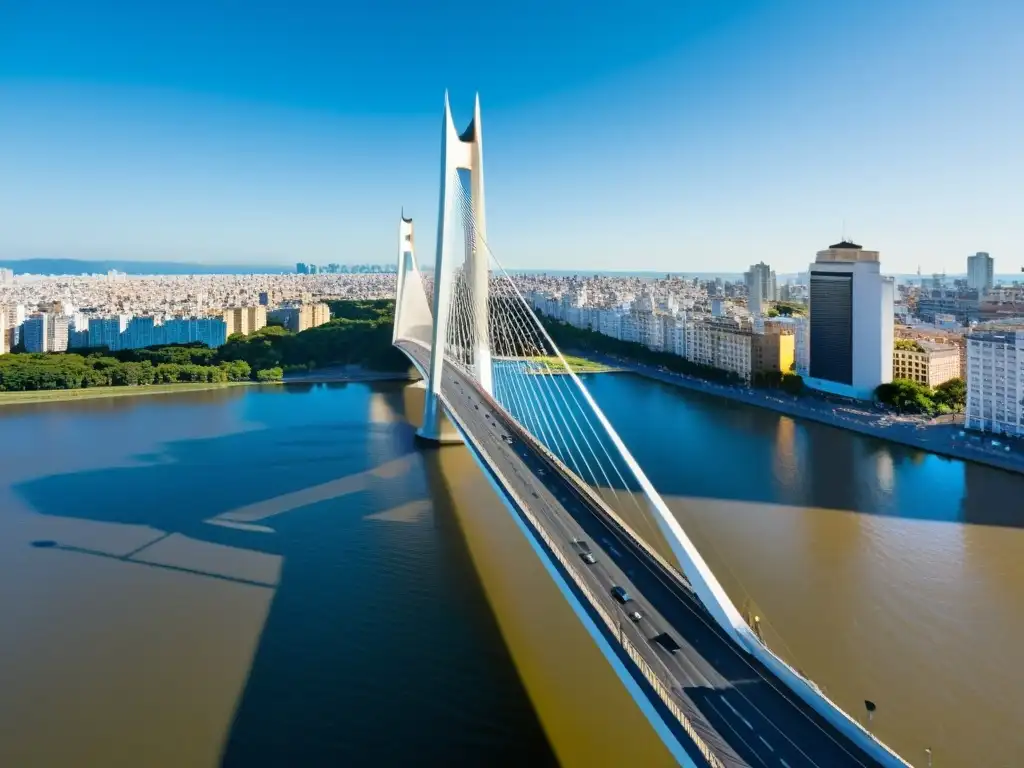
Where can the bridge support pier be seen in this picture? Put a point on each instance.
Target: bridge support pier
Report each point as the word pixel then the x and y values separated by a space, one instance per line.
pixel 436 427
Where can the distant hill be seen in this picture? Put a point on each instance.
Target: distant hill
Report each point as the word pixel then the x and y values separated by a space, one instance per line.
pixel 81 267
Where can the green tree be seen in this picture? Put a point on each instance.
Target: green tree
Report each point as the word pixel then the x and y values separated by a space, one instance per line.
pixel 952 394
pixel 270 374
pixel 906 396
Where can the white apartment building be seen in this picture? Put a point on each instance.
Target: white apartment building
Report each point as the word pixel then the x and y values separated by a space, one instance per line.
pixel 724 344
pixel 675 337
pixel 15 314
pixel 851 322
pixel 57 333
pixel 4 341
pixel 630 331
pixel 995 382
pixel 610 323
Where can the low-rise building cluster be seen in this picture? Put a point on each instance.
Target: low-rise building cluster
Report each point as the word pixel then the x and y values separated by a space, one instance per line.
pixel 54 314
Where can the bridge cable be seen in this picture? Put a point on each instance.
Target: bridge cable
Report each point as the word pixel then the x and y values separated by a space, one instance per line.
pixel 546 380
pixel 522 320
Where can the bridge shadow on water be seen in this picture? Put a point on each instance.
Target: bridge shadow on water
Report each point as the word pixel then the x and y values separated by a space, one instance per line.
pixel 379 646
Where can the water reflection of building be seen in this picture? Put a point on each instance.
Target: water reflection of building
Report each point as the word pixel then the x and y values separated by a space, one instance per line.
pixel 784 458
pixel 833 468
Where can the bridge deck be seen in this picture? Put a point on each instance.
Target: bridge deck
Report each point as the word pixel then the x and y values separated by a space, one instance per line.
pixel 746 716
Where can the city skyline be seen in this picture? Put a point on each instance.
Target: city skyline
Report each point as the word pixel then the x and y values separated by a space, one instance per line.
pixel 700 139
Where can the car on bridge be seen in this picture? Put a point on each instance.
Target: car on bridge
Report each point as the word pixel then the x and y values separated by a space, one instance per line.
pixel 620 594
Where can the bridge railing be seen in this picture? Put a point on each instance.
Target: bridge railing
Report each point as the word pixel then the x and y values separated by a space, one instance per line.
pixel 663 692
pixel 615 627
pixel 772 660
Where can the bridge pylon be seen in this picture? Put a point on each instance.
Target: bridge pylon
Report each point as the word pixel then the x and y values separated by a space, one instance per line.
pixel 459 151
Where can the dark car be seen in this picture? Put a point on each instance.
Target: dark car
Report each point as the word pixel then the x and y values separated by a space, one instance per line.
pixel 620 594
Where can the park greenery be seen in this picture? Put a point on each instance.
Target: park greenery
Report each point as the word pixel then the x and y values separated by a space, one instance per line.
pixel 786 309
pixel 584 340
pixel 908 345
pixel 551 364
pixel 907 396
pixel 359 334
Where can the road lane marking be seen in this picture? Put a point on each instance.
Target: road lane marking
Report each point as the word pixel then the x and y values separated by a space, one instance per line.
pixel 736 712
pixel 765 742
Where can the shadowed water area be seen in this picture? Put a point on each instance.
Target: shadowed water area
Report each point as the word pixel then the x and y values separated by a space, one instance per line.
pixel 271 576
pixel 277 576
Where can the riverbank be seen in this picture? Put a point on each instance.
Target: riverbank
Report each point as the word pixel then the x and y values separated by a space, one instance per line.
pixel 90 393
pixel 941 438
pixel 347 373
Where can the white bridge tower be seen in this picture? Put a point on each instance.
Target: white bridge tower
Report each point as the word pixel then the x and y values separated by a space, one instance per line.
pixel 459 152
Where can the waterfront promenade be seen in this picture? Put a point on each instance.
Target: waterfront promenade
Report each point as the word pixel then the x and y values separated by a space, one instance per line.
pixel 939 437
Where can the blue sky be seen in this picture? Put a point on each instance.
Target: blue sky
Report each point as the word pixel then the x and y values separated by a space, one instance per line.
pixel 684 136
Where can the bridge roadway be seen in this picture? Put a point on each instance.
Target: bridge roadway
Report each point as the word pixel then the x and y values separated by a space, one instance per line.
pixel 746 716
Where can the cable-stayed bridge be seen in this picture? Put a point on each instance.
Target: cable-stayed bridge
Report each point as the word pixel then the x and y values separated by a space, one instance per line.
pixel 712 690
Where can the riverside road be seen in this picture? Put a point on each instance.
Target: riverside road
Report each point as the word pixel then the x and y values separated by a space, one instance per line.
pixel 745 716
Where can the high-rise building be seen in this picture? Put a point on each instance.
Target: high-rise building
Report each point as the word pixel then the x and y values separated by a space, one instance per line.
pixel 212 331
pixel 301 269
pixel 245 320
pixel 980 272
pixel 995 381
pixel 5 344
pixel 140 332
pixel 34 332
pixel 15 314
pixel 57 333
pixel 106 331
pixel 6 276
pixel 851 322
pixel 761 287
pixel 301 317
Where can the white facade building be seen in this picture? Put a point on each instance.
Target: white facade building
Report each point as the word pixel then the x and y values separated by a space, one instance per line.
pixel 851 322
pixel 57 333
pixel 980 272
pixel 15 317
pixel 995 382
